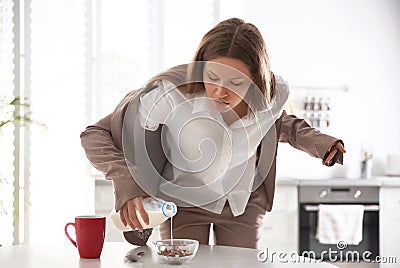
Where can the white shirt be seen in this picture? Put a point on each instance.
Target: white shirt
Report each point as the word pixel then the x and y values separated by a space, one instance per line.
pixel 212 162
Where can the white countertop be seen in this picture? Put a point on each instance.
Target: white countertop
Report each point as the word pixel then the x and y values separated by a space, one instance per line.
pixel 61 256
pixel 374 181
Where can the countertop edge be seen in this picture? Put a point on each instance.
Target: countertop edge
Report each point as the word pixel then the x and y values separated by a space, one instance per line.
pixel 385 181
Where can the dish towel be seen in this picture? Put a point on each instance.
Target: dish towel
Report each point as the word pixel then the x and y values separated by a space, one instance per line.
pixel 340 223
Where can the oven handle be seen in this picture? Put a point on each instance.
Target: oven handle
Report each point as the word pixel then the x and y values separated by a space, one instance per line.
pixel 366 207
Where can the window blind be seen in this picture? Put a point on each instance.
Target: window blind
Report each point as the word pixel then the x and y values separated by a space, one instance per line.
pixel 7 131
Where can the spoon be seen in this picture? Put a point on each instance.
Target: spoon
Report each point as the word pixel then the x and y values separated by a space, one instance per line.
pixel 134 257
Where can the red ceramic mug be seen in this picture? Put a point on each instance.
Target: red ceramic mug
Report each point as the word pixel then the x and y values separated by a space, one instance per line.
pixel 90 232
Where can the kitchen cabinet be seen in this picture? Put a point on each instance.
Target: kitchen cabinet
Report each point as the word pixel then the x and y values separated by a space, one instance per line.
pixel 280 228
pixel 389 219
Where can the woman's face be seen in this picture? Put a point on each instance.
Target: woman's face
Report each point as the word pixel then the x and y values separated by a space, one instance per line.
pixel 226 81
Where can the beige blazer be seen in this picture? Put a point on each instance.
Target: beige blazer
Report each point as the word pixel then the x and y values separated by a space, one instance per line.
pixel 102 142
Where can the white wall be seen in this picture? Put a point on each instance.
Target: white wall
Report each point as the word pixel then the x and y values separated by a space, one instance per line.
pixel 331 43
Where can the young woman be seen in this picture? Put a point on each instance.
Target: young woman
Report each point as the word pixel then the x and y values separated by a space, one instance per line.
pixel 216 123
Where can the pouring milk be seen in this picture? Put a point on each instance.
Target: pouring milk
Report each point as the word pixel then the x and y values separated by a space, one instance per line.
pixel 157 209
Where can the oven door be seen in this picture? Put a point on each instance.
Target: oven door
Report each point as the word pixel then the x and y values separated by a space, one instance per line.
pixel 308 228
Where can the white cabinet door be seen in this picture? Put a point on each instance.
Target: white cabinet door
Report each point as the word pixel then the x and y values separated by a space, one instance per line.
pixel 389 224
pixel 280 229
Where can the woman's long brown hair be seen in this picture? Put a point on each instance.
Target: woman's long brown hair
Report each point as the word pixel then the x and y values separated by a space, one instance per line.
pixel 232 38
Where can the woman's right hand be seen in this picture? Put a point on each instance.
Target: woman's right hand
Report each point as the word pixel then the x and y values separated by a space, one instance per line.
pixel 128 213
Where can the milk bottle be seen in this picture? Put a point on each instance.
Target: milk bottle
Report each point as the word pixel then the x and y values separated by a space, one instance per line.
pixel 157 209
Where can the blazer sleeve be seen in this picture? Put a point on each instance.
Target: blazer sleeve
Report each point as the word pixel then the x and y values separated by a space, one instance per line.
pixel 299 134
pixel 102 143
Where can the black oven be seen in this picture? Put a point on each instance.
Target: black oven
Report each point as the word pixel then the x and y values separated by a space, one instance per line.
pixel 309 199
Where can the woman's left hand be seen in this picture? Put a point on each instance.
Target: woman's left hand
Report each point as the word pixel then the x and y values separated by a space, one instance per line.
pixel 332 152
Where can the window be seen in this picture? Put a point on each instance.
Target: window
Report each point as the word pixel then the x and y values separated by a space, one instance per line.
pixel 122 52
pixel 185 23
pixel 59 67
pixel 74 61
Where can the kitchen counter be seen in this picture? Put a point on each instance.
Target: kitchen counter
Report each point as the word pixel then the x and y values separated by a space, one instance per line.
pixel 287 181
pixel 389 180
pixel 374 181
pixel 340 182
pixel 113 256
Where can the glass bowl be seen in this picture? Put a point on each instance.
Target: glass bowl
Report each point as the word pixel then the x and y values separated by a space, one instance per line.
pixel 175 251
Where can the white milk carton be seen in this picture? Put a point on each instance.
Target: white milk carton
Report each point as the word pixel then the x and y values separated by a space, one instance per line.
pixel 157 209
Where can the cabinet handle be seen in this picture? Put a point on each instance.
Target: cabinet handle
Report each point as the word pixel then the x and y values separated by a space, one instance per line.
pixel 323 194
pixel 357 194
